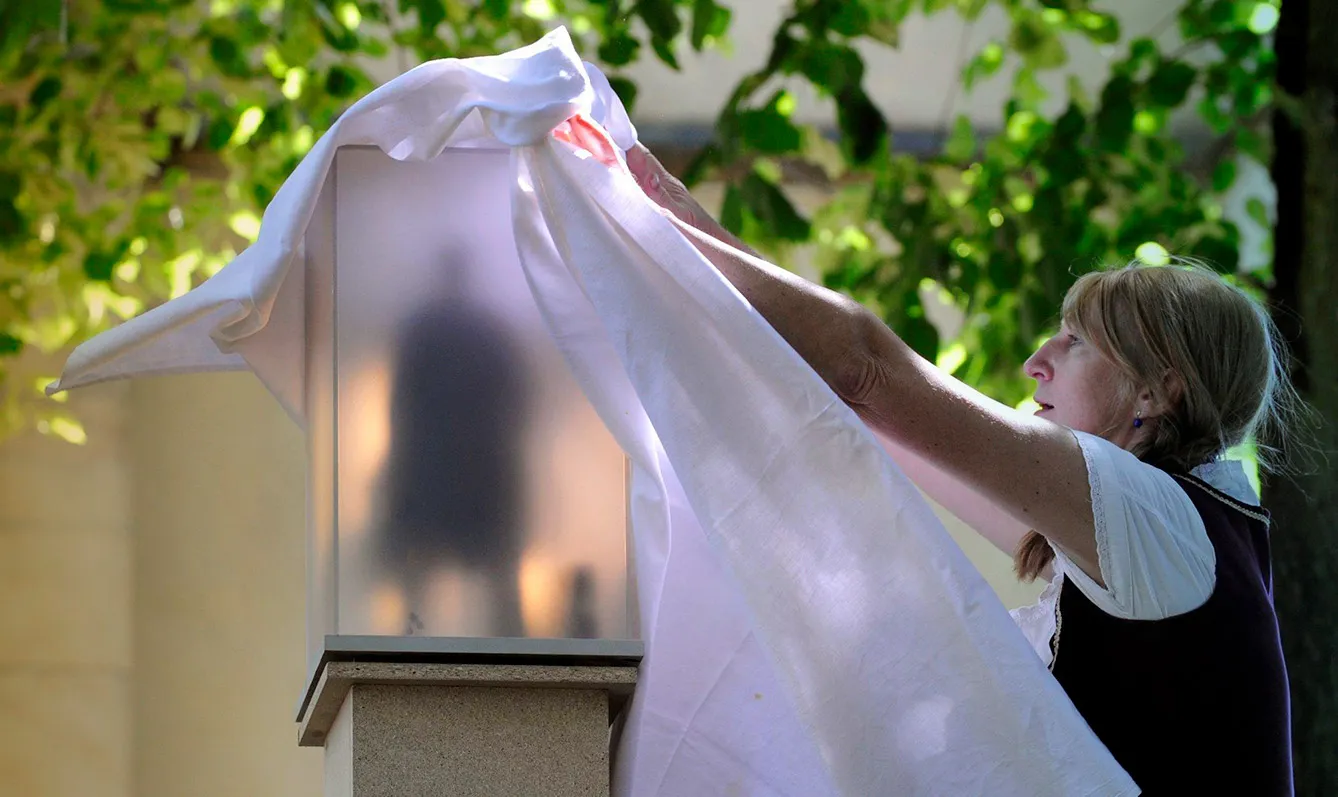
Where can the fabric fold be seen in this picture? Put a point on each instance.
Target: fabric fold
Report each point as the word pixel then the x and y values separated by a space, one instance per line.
pixel 507 100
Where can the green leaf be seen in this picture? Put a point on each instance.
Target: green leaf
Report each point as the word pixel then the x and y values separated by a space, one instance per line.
pixel 341 81
pixel 706 159
pixel 219 133
pixel 375 48
pixel 1256 209
pixel 768 131
pixel 1224 174
pixel 772 209
pixel 619 50
pixel 1215 115
pixel 9 345
pixel 864 129
pixel 431 13
pixel 10 185
pixel 961 144
pixel 661 17
pixel 12 224
pixel 100 263
pixel 1005 269
pixel 1066 158
pixel 709 21
pixel 885 20
pixel 847 274
pixel 1170 83
pixel 98 266
pixel 970 10
pixel 664 50
pixel 731 210
pixel 1069 127
pixel 1100 28
pixel 1027 90
pixel 228 57
pixel 851 19
pixel 1021 128
pixel 1037 43
pixel 983 65
pixel 45 91
pixel 833 68
pixel 1221 251
pixel 1115 119
pixel 914 328
pixel 921 336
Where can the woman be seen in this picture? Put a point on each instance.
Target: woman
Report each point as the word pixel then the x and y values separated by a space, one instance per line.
pixel 1158 618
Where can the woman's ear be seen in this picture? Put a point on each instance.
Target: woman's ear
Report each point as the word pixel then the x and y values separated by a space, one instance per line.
pixel 1167 399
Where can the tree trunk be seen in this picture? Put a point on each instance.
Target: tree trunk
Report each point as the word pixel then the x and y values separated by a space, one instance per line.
pixel 1305 296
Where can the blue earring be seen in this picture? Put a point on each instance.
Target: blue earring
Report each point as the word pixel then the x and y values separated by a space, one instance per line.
pixel 1138 420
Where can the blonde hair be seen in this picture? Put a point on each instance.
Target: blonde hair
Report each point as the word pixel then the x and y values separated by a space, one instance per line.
pixel 1202 347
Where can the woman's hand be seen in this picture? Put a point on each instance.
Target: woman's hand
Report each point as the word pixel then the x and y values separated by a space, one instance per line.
pixel 666 190
pixel 584 134
pixel 673 199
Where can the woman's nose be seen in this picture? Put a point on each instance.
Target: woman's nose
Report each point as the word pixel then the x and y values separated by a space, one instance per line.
pixel 1037 367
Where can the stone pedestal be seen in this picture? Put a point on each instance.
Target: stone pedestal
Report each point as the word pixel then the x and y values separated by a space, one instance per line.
pixel 465 730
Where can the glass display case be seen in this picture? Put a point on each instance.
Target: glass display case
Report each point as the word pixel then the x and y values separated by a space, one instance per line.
pixel 465 498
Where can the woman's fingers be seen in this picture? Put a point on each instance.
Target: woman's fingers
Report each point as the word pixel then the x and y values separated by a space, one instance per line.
pixel 645 167
pixel 662 187
pixel 584 134
pixel 658 184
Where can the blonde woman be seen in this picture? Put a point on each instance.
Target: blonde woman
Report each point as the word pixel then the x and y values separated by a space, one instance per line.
pixel 1158 616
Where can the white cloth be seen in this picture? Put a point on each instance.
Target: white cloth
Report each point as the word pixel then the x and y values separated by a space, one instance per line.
pixel 810 627
pixel 1155 555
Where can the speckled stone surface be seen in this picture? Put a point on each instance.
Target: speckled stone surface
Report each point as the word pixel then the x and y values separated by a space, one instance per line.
pixel 413 730
pixel 338 677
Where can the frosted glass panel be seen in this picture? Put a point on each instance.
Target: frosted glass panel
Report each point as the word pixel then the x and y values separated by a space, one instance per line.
pixel 319 398
pixel 478 494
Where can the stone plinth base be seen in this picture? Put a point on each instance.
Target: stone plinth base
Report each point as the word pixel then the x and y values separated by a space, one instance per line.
pixel 475 730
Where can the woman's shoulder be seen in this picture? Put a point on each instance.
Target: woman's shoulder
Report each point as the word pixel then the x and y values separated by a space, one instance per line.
pixel 1155 555
pixel 1226 478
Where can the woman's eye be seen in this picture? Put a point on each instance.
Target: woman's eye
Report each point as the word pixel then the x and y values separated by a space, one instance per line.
pixel 1074 340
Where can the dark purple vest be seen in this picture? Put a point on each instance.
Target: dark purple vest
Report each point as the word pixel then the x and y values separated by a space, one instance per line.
pixel 1198 703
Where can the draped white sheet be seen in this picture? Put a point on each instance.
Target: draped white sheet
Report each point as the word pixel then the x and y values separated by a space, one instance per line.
pixel 810 627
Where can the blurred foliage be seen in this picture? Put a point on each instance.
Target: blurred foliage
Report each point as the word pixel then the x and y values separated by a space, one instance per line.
pixel 999 227
pixel 141 139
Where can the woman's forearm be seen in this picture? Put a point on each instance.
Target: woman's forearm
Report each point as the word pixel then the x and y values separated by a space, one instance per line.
pixel 1028 468
pixel 824 327
pixel 819 324
pixel 831 332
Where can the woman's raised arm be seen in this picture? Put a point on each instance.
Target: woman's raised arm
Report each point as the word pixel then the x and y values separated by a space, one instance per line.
pixel 1029 468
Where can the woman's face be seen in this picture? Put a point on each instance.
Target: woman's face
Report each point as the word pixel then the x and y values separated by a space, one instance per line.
pixel 1079 387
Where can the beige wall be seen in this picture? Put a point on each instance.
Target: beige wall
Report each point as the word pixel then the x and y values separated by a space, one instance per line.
pixel 151 597
pixel 65 609
pixel 219 640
